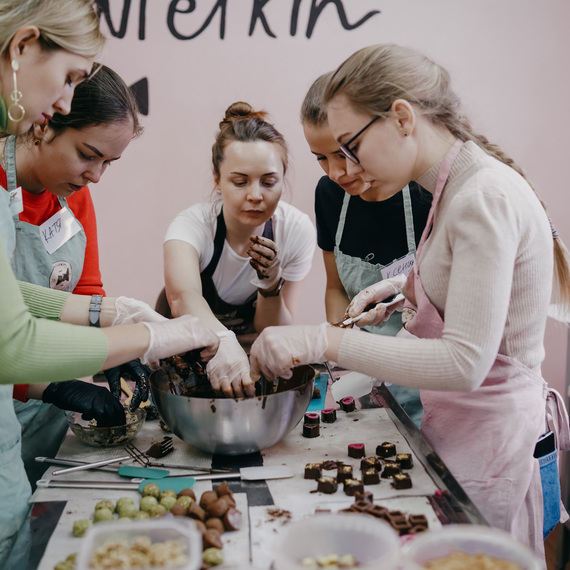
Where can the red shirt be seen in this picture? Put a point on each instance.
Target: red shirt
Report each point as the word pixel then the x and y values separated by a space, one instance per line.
pixel 37 209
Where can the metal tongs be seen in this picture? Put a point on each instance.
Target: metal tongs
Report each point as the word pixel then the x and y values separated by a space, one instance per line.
pixel 386 303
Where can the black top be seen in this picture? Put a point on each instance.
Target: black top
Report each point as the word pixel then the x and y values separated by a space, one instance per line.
pixel 373 231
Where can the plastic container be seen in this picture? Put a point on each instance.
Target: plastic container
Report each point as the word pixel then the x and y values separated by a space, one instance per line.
pixel 373 542
pixel 440 542
pixel 106 436
pixel 158 530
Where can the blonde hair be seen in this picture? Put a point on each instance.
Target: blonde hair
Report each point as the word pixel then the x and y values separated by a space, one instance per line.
pixel 372 78
pixel 72 25
pixel 313 110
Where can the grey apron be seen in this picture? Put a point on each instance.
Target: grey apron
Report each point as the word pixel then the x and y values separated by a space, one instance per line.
pixel 43 425
pixel 357 274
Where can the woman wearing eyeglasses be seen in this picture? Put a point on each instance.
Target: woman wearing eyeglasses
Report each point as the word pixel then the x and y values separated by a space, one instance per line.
pixel 364 238
pixel 477 298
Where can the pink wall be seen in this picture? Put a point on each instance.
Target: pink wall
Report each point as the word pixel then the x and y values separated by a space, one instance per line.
pixel 508 60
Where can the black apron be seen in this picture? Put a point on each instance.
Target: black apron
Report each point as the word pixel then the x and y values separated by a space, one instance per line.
pixel 237 318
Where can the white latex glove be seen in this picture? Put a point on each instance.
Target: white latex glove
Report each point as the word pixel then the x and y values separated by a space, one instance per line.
pixel 176 336
pixel 228 371
pixel 372 295
pixel 278 349
pixel 129 311
pixel 264 255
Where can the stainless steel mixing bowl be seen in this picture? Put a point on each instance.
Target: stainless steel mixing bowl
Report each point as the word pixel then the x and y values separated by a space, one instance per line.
pixel 233 426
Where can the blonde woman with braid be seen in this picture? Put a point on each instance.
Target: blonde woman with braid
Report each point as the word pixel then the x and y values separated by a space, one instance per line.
pixel 477 298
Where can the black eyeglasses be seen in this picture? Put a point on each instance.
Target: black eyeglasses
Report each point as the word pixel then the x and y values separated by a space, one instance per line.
pixel 345 148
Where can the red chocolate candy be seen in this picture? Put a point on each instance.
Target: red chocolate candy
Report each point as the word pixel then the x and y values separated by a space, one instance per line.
pixel 312 418
pixel 356 450
pixel 328 416
pixel 347 404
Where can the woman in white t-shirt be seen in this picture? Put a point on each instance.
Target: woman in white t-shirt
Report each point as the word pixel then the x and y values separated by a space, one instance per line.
pixel 237 263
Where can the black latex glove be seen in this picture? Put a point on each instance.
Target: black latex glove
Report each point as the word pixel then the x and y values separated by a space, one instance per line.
pixel 94 402
pixel 135 371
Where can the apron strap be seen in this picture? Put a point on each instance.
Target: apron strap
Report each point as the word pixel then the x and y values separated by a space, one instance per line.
pixel 409 218
pixel 220 237
pixel 341 220
pixel 558 417
pixel 10 156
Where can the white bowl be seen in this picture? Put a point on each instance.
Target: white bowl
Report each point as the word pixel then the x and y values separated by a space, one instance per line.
pixel 158 530
pixel 373 542
pixel 471 539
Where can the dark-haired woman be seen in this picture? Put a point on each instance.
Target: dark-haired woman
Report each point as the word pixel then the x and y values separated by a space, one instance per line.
pixel 237 263
pixel 53 163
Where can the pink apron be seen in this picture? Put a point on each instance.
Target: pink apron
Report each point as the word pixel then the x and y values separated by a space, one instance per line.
pixel 487 437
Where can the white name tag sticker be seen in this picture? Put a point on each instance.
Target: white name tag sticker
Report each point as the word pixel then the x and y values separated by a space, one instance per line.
pixel 401 266
pixel 16 201
pixel 58 229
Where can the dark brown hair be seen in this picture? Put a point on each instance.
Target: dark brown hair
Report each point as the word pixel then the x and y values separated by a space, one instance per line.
pixel 241 123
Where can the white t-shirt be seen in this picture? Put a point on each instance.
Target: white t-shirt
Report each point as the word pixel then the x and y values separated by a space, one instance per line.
pixel 293 232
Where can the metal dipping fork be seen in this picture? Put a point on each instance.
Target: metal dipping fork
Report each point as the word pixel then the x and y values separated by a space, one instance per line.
pixel 143 460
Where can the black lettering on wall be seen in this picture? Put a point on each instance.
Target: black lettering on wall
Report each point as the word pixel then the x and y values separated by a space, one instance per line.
pixel 257 14
pixel 294 17
pixel 104 11
pixel 177 8
pixel 173 10
pixel 317 8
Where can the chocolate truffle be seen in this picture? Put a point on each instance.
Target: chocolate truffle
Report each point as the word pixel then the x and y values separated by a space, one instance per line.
pixel 386 449
pixel 344 472
pixel 369 463
pixel 352 486
pixel 218 508
pixel 312 418
pixel 195 511
pixel 316 394
pixel 216 523
pixel 391 468
pixel 311 430
pixel 232 519
pixel 405 460
pixel 347 404
pixel 313 470
pixel 401 481
pixel 178 510
pixel 327 485
pixel 212 539
pixel 370 476
pixel 187 493
pixel 356 450
pixel 328 416
pixel 223 489
pixel 207 498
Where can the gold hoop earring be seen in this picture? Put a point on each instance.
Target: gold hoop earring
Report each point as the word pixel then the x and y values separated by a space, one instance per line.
pixel 16 95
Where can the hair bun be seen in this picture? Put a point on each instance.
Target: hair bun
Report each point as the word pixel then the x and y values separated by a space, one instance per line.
pixel 241 110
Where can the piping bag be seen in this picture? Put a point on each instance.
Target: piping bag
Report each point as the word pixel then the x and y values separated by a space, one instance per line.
pixel 353 384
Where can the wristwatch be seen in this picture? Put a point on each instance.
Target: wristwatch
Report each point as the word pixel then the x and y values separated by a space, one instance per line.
pixel 273 292
pixel 95 310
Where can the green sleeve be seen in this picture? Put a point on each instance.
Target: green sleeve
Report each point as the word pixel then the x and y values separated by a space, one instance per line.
pixel 37 349
pixel 43 302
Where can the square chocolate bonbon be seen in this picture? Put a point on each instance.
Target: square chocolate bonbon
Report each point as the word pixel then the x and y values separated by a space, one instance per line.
pixel 328 416
pixel 405 460
pixel 391 468
pixel 344 472
pixel 353 486
pixel 313 470
pixel 311 430
pixel 386 449
pixel 401 481
pixel 327 485
pixel 371 477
